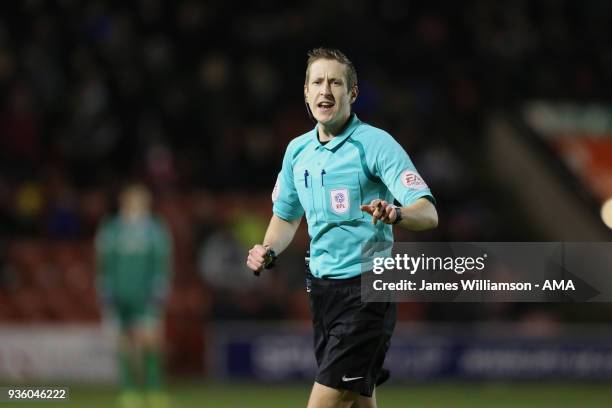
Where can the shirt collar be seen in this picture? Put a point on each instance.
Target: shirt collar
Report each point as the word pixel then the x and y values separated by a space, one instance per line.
pixel 352 123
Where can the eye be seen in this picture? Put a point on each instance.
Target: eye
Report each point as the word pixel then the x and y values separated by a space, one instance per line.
pixel 337 82
pixel 316 81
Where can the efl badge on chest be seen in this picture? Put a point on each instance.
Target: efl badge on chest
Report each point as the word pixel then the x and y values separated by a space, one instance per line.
pixel 340 201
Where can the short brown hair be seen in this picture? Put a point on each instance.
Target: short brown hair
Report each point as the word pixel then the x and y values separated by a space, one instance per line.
pixel 333 54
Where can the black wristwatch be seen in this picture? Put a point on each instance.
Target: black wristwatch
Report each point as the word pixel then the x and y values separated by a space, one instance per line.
pixel 269 259
pixel 398 215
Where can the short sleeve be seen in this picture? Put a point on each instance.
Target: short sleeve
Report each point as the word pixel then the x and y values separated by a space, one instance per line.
pixel 398 173
pixel 104 244
pixel 162 254
pixel 284 195
pixel 163 240
pixel 104 239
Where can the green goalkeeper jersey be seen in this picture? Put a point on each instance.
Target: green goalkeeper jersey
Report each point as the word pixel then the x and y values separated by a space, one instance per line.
pixel 133 261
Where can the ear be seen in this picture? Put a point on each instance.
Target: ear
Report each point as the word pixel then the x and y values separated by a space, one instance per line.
pixel 353 94
pixel 306 93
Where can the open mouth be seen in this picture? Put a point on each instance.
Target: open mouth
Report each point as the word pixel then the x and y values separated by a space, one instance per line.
pixel 325 106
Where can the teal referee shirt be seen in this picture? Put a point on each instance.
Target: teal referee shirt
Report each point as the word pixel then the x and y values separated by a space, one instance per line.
pixel 328 183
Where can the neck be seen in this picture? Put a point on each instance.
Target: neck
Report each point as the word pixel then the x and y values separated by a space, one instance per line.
pixel 328 132
pixel 133 216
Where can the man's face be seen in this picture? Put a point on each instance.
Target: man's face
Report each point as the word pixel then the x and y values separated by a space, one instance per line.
pixel 327 94
pixel 135 203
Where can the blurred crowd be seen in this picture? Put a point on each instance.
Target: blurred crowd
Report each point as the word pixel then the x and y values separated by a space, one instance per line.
pixel 199 100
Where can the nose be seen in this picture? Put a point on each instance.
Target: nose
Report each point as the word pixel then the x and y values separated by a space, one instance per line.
pixel 326 88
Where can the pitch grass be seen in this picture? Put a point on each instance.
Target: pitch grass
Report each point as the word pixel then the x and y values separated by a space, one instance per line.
pixel 443 395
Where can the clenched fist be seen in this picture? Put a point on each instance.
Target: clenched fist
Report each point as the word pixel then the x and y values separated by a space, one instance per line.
pixel 256 261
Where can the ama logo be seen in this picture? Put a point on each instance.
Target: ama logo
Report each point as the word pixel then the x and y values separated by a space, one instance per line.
pixel 558 285
pixel 339 200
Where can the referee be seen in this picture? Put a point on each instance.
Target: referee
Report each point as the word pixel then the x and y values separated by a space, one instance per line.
pixel 329 174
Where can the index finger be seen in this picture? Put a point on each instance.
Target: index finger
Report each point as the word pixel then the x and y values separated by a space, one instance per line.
pixel 369 208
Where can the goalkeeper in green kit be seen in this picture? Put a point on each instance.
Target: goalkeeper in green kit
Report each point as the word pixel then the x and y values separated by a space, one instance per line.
pixel 133 251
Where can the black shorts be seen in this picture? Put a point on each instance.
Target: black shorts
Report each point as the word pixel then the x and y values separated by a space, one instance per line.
pixel 351 338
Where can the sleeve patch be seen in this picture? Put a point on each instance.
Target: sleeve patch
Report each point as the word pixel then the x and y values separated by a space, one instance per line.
pixel 276 191
pixel 411 179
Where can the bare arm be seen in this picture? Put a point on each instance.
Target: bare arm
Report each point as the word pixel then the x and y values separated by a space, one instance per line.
pixel 278 236
pixel 418 216
pixel 280 233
